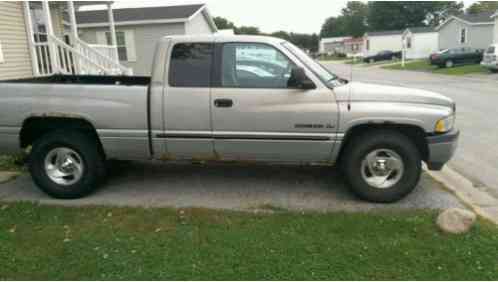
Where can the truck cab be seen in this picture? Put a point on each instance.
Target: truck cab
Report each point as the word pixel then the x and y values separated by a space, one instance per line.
pixel 230 100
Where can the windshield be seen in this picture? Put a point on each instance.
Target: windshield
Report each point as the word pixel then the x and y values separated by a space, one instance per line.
pixel 323 73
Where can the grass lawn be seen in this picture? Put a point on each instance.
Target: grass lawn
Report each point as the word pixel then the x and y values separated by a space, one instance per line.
pixel 331 58
pixel 355 62
pixel 97 243
pixel 423 65
pixel 11 163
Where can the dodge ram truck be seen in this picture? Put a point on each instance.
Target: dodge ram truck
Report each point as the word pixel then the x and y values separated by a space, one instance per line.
pixel 227 99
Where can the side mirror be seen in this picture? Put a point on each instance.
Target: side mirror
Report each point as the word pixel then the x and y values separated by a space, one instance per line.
pixel 299 79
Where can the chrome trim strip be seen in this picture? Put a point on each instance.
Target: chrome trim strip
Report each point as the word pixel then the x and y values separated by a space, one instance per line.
pixel 10 130
pixel 249 136
pixel 123 133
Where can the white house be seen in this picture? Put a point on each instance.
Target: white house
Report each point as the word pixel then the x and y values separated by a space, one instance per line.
pixel 36 41
pixel 139 29
pixel 374 42
pixel 495 37
pixel 332 45
pixel 467 30
pixel 420 42
pixel 353 47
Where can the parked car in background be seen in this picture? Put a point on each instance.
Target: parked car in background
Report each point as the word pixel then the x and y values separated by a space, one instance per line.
pixel 490 60
pixel 383 56
pixel 456 56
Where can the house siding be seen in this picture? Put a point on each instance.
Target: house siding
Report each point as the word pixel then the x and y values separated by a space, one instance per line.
pixel 495 40
pixel 56 13
pixel 333 47
pixel 17 59
pixel 382 43
pixel 146 37
pixel 423 44
pixel 198 25
pixel 478 36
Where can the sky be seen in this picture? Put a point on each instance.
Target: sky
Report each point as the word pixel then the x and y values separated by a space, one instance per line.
pixel 269 15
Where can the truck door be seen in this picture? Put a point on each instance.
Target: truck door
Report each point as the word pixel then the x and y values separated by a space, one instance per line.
pixel 187 116
pixel 256 116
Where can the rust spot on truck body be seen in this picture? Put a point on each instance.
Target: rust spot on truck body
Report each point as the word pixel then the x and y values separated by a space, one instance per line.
pixel 57 115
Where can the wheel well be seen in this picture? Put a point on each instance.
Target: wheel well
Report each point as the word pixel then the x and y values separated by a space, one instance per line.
pixel 35 127
pixel 413 132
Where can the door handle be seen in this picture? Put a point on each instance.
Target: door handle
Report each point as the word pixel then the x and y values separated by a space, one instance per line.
pixel 223 103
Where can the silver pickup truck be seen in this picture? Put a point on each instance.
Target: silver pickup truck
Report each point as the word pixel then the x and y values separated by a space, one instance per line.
pixel 227 99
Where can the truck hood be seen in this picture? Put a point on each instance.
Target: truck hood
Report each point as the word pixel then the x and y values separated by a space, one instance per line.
pixel 358 91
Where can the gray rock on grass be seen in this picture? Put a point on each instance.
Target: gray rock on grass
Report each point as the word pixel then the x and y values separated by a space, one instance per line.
pixel 456 221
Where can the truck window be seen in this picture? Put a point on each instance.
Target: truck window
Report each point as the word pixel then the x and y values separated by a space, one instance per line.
pixel 254 65
pixel 190 65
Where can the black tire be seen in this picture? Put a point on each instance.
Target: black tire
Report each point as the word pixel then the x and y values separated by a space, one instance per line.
pixel 83 144
pixel 357 150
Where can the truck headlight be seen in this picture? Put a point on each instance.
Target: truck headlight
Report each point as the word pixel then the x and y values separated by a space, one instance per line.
pixel 446 124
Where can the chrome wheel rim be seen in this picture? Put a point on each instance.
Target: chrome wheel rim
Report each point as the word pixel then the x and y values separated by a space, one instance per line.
pixel 382 168
pixel 64 166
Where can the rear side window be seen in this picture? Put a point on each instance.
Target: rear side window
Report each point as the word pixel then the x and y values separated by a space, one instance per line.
pixel 190 65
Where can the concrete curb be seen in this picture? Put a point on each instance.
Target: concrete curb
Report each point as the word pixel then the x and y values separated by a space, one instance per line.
pixel 480 202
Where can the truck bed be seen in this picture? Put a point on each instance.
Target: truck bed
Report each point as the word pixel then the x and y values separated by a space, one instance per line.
pixel 86 79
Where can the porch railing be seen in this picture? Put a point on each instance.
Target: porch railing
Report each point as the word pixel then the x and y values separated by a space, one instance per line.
pixel 43 55
pixel 106 50
pixel 78 59
pixel 104 56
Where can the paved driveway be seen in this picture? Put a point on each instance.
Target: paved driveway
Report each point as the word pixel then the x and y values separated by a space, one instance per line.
pixel 477 116
pixel 147 184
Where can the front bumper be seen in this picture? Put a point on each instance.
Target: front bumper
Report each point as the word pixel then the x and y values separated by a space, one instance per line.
pixel 441 149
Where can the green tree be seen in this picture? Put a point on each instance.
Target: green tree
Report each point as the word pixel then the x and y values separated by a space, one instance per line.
pixel 383 15
pixel 482 6
pixel 355 18
pixel 281 34
pixel 247 30
pixel 442 10
pixel 333 27
pixel 304 41
pixel 223 23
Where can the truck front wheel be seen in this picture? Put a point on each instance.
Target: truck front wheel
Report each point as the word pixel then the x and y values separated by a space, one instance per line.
pixel 66 165
pixel 382 166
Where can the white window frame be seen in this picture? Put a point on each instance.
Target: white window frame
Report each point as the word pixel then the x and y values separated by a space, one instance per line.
pixel 129 43
pixel 463 29
pixel 2 58
pixel 409 42
pixel 107 35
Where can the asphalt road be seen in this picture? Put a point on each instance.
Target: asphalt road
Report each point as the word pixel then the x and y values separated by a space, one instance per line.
pixel 477 114
pixel 233 187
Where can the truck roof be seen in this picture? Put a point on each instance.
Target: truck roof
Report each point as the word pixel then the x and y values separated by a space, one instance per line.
pixel 224 38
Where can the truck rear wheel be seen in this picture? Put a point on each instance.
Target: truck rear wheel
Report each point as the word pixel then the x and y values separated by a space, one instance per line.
pixel 66 165
pixel 382 166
